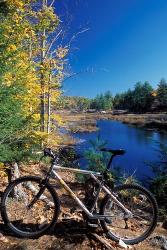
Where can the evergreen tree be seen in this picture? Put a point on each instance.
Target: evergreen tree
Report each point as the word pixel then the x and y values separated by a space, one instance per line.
pixel 128 100
pixel 108 101
pixel 103 101
pixel 138 100
pixel 162 94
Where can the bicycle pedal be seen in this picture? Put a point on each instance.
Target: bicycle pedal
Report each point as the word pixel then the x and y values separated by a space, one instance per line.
pixel 92 225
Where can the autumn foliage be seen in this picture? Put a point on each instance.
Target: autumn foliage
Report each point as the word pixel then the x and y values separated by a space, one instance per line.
pixel 32 68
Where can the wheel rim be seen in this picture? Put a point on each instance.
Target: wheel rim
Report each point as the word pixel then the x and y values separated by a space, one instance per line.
pixel 25 220
pixel 142 208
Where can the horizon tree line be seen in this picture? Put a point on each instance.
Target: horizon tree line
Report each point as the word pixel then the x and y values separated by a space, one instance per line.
pixel 142 98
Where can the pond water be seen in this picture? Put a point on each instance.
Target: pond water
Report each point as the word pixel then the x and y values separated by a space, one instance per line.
pixel 142 146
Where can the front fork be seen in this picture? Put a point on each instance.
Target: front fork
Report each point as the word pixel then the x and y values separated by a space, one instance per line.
pixel 40 192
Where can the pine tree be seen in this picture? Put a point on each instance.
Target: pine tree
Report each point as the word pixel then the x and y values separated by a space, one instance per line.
pixel 162 94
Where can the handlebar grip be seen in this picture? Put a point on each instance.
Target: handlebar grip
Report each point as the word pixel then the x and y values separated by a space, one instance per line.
pixel 48 152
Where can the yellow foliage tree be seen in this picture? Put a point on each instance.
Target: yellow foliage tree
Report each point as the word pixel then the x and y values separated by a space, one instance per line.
pixel 50 60
pixel 30 32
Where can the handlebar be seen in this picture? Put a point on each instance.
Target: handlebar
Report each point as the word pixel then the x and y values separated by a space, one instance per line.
pixel 48 152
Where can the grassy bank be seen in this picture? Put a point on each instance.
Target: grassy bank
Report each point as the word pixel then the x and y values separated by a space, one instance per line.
pixel 86 122
pixel 151 121
pixel 80 122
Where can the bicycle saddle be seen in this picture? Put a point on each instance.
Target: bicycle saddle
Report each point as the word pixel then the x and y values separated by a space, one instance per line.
pixel 114 151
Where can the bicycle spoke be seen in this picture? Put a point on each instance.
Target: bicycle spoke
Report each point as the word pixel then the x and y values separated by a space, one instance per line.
pixel 143 216
pixel 27 213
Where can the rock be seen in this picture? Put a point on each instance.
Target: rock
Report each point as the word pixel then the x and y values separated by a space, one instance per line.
pixel 159 241
pixel 122 244
pixel 164 224
pixel 60 244
pixel 21 246
pixel 3 238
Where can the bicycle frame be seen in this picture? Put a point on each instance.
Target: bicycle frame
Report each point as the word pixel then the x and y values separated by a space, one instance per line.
pixel 101 187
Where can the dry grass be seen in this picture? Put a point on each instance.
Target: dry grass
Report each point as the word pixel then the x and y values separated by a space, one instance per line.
pixel 86 122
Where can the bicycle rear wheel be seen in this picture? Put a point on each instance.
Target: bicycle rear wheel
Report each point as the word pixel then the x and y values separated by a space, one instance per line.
pixel 31 221
pixel 144 210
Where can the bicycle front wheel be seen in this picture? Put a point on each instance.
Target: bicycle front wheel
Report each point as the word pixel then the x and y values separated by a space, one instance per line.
pixel 27 213
pixel 143 206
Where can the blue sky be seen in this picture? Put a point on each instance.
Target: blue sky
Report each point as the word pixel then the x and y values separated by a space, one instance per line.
pixel 126 43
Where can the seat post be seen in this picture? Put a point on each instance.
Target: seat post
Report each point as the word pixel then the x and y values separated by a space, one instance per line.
pixel 110 161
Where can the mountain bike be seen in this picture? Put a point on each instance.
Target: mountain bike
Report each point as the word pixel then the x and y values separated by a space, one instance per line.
pixel 128 212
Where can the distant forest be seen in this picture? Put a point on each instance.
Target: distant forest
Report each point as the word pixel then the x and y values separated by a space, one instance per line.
pixel 142 98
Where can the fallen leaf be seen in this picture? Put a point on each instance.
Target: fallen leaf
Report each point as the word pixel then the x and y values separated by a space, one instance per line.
pixel 3 238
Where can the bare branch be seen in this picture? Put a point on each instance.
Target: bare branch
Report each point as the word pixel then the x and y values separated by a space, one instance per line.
pixel 53 41
pixel 102 241
pixel 76 34
pixel 68 44
pixel 52 3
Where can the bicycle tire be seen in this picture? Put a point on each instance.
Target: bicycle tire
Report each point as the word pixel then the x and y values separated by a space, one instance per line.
pixel 125 188
pixel 7 200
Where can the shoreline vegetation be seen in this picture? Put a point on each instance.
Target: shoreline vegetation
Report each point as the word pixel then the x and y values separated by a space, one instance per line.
pixel 86 122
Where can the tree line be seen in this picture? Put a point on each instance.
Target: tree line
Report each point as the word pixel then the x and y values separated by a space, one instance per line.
pixel 142 98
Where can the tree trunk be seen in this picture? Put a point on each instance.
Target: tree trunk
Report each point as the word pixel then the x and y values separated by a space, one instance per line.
pixel 43 42
pixel 49 103
pixel 42 113
pixel 30 48
pixel 42 80
pixel 14 173
pixel 12 170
